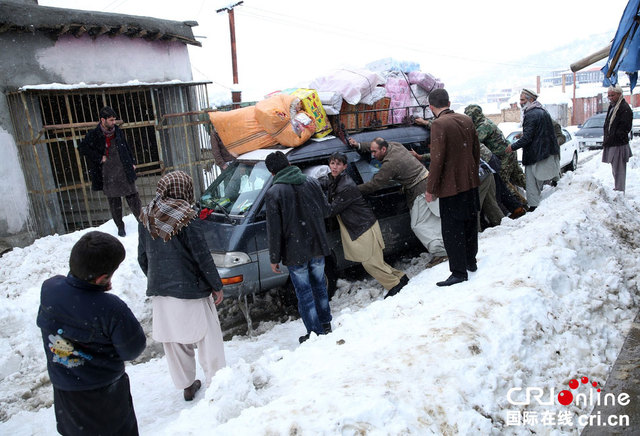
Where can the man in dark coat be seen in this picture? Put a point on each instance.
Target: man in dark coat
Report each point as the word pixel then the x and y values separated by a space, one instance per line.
pixel 88 334
pixel 454 179
pixel 617 126
pixel 296 208
pixel 111 166
pixel 359 228
pixel 540 150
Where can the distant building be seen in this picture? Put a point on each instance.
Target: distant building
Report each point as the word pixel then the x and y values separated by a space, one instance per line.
pixel 501 96
pixel 589 75
pixel 58 67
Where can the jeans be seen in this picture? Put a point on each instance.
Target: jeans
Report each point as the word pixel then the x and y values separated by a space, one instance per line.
pixel 311 290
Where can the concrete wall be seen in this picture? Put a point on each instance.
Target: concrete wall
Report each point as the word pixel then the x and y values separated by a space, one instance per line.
pixel 38 59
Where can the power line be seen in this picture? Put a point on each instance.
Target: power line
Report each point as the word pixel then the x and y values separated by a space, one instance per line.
pixel 325 28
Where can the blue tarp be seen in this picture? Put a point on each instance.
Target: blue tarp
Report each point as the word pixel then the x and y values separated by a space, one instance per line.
pixel 625 48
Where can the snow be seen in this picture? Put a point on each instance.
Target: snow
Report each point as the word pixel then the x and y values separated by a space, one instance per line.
pixel 555 293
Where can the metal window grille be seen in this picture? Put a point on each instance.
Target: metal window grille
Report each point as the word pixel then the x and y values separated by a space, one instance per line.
pixel 165 125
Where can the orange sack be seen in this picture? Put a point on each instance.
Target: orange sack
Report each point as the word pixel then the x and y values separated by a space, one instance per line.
pixel 239 130
pixel 274 115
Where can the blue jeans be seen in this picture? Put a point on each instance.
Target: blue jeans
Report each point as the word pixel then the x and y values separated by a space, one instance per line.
pixel 311 290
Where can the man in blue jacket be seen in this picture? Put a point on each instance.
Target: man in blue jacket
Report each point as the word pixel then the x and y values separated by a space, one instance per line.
pixel 296 208
pixel 88 334
pixel 540 150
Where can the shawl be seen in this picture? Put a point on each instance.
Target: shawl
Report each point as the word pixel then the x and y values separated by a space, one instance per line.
pixel 171 209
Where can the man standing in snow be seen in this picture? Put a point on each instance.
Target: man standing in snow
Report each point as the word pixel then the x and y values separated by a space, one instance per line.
pixel 540 150
pixel 617 126
pixel 112 166
pixel 88 334
pixel 510 172
pixel 296 208
pixel 359 229
pixel 398 164
pixel 454 179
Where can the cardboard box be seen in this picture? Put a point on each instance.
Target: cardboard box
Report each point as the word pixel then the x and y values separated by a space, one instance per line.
pixel 361 116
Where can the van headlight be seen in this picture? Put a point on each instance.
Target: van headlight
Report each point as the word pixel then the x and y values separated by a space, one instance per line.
pixel 230 259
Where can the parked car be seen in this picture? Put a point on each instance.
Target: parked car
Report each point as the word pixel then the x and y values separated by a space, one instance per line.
pixel 568 150
pixel 635 128
pixel 590 135
pixel 236 229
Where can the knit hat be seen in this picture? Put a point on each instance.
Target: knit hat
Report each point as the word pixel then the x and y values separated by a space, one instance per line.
pixel 530 94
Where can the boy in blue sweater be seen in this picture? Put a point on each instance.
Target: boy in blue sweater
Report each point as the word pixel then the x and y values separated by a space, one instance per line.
pixel 88 334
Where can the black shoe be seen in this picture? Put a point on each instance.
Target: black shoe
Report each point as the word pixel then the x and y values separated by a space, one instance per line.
pixel 190 392
pixel 393 291
pixel 452 280
pixel 473 267
pixel 532 208
pixel 404 280
pixel 301 339
pixel 326 326
pixel 121 232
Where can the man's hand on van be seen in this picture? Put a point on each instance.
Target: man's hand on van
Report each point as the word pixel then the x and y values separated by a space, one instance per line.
pixel 353 143
pixel 217 296
pixel 275 267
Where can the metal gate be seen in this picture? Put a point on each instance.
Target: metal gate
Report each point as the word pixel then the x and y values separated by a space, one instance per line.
pixel 167 127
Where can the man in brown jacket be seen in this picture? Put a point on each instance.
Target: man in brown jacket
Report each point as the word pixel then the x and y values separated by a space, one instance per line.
pixel 398 164
pixel 453 178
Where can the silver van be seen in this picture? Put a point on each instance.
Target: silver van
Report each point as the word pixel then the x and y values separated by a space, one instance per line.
pixel 235 228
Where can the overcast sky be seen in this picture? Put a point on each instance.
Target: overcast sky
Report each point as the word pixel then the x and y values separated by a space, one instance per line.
pixel 287 43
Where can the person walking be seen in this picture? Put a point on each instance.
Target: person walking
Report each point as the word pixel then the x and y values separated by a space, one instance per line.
pixel 183 283
pixel 88 334
pixel 111 166
pixel 359 228
pixel 617 125
pixel 296 208
pixel 454 179
pixel 540 150
pixel 398 164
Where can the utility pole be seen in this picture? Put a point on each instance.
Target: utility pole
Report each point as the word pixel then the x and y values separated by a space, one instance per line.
pixel 235 92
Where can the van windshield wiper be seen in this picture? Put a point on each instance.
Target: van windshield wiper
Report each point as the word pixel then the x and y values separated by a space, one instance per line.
pixel 226 214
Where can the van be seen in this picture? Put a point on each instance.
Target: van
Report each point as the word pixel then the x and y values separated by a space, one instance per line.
pixel 235 223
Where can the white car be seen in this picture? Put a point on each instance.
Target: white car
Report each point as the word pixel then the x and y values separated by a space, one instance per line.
pixel 635 128
pixel 568 150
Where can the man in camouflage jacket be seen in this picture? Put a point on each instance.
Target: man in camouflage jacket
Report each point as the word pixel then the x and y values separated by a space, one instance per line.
pixel 490 135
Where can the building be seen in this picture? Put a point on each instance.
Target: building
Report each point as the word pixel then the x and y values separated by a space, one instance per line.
pixel 58 67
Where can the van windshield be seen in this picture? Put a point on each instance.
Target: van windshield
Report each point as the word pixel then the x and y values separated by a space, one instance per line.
pixel 592 123
pixel 236 188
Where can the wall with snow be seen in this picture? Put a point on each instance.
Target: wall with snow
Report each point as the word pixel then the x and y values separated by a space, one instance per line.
pixel 115 60
pixel 37 59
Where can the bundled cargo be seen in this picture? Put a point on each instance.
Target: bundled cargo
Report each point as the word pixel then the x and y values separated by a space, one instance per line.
pixel 239 130
pixel 313 106
pixel 355 86
pixel 283 118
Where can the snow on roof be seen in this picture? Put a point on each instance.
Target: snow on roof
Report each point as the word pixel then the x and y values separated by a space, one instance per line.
pixel 82 85
pixel 20 18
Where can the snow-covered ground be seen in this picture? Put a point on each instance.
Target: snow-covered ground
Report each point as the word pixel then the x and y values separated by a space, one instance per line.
pixel 553 297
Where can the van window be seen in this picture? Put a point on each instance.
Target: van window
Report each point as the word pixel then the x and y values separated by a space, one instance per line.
pixel 237 188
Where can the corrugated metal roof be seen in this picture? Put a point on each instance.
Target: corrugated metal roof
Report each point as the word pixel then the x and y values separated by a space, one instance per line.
pixel 19 17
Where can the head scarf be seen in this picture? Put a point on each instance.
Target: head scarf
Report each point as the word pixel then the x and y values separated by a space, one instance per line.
pixel 618 90
pixel 170 210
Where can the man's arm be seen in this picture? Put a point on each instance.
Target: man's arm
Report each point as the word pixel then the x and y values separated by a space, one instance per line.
pixel 528 131
pixel 126 334
pixel 379 180
pixel 274 228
